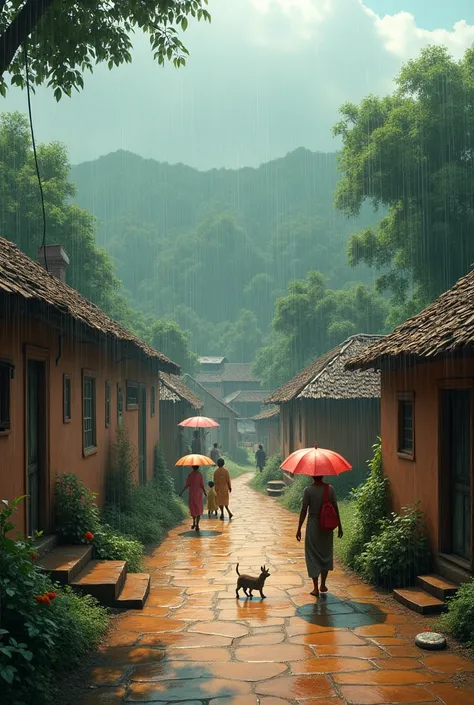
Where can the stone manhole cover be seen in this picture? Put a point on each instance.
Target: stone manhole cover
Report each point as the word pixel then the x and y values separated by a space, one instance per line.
pixel 201 534
pixel 430 641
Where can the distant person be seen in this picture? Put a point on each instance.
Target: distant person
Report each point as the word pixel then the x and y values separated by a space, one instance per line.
pixel 260 458
pixel 211 500
pixel 196 447
pixel 223 487
pixel 215 453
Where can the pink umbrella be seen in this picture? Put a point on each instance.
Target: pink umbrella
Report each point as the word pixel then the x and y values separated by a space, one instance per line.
pixel 315 462
pixel 199 422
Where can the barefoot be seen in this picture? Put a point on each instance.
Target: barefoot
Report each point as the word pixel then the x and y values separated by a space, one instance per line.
pixel 230 515
pixel 314 593
pixel 323 588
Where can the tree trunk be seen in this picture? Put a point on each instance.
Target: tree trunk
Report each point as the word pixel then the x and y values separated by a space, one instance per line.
pixel 20 29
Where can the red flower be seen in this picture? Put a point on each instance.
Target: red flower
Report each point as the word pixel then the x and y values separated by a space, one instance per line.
pixel 39 598
pixel 46 600
pixel 51 595
pixel 34 556
pixel 89 536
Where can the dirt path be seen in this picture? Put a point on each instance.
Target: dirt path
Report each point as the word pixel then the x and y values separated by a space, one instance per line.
pixel 195 643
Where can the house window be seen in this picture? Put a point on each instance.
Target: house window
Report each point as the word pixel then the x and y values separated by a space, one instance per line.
pixel 6 374
pixel 152 401
pixel 132 395
pixel 88 411
pixel 107 404
pixel 66 398
pixel 406 429
pixel 119 405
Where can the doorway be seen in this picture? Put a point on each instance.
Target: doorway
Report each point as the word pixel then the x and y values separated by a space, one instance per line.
pixel 142 470
pixel 36 444
pixel 455 433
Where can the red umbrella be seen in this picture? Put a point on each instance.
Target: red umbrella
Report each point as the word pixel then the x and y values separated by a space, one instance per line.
pixel 315 462
pixel 199 422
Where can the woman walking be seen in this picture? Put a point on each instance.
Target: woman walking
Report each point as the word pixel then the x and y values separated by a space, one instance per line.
pixel 222 486
pixel 195 484
pixel 318 546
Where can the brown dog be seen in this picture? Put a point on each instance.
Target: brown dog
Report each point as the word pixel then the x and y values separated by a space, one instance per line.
pixel 248 582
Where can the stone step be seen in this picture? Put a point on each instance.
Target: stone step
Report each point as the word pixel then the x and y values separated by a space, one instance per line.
pixel 437 586
pixel 275 484
pixel 274 493
pixel 104 580
pixel 44 544
pixel 134 592
pixel 419 601
pixel 63 563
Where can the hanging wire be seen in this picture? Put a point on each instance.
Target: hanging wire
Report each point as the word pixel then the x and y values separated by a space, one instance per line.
pixel 27 71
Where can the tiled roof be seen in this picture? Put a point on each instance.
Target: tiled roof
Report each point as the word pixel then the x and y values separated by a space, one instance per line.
pixel 172 388
pixel 445 327
pixel 327 378
pixel 230 372
pixel 269 412
pixel 193 381
pixel 211 360
pixel 23 277
pixel 247 395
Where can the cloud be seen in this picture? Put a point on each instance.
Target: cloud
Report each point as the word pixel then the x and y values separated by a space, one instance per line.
pixel 265 77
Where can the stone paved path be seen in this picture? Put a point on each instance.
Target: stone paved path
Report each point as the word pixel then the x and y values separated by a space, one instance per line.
pixel 195 643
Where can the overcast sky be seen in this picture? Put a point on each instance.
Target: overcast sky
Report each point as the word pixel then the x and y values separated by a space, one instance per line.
pixel 265 77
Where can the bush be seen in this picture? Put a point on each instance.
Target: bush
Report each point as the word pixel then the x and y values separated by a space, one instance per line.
pixel 293 495
pixel 76 512
pixel 42 626
pixel 395 556
pixel 459 619
pixel 112 546
pixel 241 456
pixel 121 472
pixel 270 472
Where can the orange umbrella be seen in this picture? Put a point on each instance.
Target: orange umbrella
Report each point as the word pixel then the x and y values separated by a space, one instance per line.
pixel 199 422
pixel 195 460
pixel 315 462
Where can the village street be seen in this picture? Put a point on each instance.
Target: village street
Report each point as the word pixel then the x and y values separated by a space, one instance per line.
pixel 195 643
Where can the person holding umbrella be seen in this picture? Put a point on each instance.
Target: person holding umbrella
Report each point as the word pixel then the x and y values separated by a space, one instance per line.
pixel 195 484
pixel 320 506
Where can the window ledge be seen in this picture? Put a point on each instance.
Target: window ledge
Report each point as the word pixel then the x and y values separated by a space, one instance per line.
pixel 406 456
pixel 89 451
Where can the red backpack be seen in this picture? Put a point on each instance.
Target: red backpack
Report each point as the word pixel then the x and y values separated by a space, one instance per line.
pixel 328 520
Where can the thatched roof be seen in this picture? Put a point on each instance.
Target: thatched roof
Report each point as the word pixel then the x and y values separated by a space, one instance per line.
pixel 445 327
pixel 172 388
pixel 22 277
pixel 327 377
pixel 247 396
pixel 269 412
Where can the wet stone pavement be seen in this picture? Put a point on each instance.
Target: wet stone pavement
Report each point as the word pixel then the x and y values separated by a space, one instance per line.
pixel 194 643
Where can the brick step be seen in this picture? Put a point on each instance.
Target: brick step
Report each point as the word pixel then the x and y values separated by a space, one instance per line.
pixel 419 601
pixel 104 580
pixel 63 563
pixel 276 484
pixel 134 592
pixel 437 586
pixel 274 493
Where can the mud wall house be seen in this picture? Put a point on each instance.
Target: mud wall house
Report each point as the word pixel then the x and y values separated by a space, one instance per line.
pixel 217 409
pixel 69 377
pixel 267 424
pixel 427 421
pixel 329 405
pixel 177 402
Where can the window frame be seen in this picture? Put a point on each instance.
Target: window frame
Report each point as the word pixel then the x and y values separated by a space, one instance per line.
pixel 402 399
pixel 108 403
pixel 7 373
pixel 67 381
pixel 152 401
pixel 130 384
pixel 88 375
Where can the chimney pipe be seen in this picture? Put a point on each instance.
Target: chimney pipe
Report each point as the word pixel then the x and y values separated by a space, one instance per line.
pixel 57 258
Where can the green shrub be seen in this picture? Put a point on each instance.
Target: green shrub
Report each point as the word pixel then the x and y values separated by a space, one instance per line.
pixel 121 473
pixel 76 512
pixel 270 472
pixel 240 456
pixel 395 556
pixel 112 546
pixel 344 547
pixel 459 619
pixel 293 494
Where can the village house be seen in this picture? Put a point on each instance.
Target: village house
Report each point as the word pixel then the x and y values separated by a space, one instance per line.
pixel 69 377
pixel 328 405
pixel 247 402
pixel 427 421
pixel 223 378
pixel 267 425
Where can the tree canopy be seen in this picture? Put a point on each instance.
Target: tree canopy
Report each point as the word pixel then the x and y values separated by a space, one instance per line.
pixel 411 154
pixel 173 342
pixel 65 38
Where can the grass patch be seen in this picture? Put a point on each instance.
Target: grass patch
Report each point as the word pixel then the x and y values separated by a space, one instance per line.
pixel 270 472
pixel 459 619
pixel 343 547
pixel 235 470
pixel 293 494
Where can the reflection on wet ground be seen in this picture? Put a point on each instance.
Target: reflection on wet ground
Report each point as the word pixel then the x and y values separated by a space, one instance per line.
pixel 196 643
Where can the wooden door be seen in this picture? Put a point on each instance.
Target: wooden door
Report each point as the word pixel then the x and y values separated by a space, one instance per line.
pixel 142 415
pixel 36 412
pixel 456 439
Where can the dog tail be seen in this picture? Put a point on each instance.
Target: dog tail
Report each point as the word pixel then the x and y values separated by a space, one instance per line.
pixel 237 569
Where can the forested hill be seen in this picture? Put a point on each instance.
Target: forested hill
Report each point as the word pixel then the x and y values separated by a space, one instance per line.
pixel 204 247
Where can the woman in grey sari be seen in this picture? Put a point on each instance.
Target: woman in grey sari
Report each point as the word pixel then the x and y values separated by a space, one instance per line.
pixel 318 545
